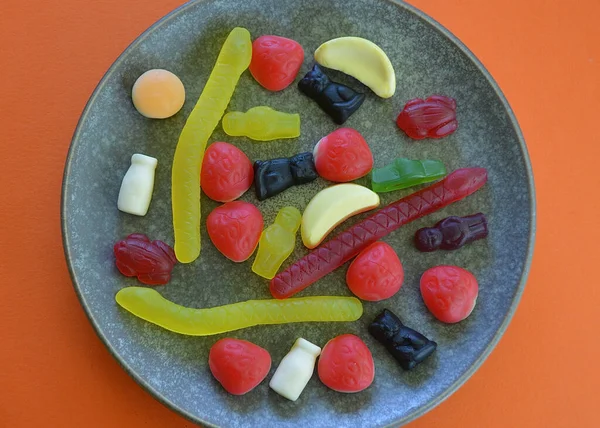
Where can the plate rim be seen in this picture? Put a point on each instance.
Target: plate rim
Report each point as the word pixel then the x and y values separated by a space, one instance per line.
pixel 490 346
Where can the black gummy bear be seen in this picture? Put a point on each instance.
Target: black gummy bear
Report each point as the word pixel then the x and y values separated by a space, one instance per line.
pixel 337 100
pixel 273 176
pixel 407 346
pixel 452 233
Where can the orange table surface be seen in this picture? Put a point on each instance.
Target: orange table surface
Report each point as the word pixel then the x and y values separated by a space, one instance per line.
pixel 545 372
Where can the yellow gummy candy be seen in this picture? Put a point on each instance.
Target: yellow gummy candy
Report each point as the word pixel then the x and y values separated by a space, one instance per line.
pixel 277 242
pixel 262 124
pixel 233 59
pixel 149 305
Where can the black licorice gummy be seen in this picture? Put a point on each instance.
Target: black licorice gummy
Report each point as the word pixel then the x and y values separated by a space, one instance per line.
pixel 407 346
pixel 303 168
pixel 272 177
pixel 337 100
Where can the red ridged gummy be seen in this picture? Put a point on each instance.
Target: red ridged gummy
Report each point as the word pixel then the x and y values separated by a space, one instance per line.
pixel 325 259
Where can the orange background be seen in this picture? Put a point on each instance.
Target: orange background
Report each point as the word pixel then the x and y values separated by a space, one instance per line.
pixel 545 55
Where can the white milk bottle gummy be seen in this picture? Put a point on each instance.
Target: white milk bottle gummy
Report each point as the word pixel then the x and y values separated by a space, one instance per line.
pixel 295 370
pixel 137 185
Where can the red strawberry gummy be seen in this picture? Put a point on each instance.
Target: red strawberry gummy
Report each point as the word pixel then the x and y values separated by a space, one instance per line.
pixel 275 61
pixel 151 261
pixel 235 229
pixel 449 292
pixel 238 365
pixel 376 273
pixel 346 364
pixel 343 155
pixel 227 172
pixel 434 117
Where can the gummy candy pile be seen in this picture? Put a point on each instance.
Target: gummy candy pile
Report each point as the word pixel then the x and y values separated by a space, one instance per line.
pixel 236 228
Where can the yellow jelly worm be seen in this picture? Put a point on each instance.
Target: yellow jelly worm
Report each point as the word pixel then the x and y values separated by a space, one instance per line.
pixel 262 124
pixel 148 304
pixel 233 59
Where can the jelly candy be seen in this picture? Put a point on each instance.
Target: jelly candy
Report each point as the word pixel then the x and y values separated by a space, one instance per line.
pixel 376 273
pixel 226 172
pixel 275 61
pixel 361 59
pixel 334 253
pixel 137 185
pixel 233 59
pixel 405 173
pixel 277 242
pixel 337 100
pixel 262 124
pixel 148 304
pixel 295 370
pixel 346 364
pixel 238 365
pixel 150 261
pixel 434 117
pixel 158 94
pixel 407 346
pixel 331 206
pixel 449 292
pixel 452 233
pixel 273 176
pixel 343 155
pixel 234 228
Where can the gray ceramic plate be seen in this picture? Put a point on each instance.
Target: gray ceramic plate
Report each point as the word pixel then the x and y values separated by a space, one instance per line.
pixel 428 60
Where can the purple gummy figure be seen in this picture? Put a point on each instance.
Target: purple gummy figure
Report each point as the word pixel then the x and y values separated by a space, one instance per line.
pixel 452 233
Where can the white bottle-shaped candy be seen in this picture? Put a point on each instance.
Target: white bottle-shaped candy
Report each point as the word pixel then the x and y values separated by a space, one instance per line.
pixel 137 185
pixel 295 370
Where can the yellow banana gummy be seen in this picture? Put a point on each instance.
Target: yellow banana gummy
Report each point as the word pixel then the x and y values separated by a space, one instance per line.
pixel 233 59
pixel 148 304
pixel 262 124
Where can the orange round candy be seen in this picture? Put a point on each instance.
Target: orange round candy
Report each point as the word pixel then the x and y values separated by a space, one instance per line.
pixel 376 273
pixel 346 364
pixel 158 94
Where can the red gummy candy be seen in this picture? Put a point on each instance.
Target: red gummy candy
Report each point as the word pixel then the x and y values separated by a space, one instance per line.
pixel 226 172
pixel 343 155
pixel 346 364
pixel 449 292
pixel 238 365
pixel 151 261
pixel 434 117
pixel 275 61
pixel 376 273
pixel 235 229
pixel 328 257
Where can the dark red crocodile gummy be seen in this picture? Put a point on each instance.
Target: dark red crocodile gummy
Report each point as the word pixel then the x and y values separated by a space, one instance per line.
pixel 325 259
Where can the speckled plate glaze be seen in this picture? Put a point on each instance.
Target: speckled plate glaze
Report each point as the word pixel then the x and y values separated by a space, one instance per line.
pixel 428 60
